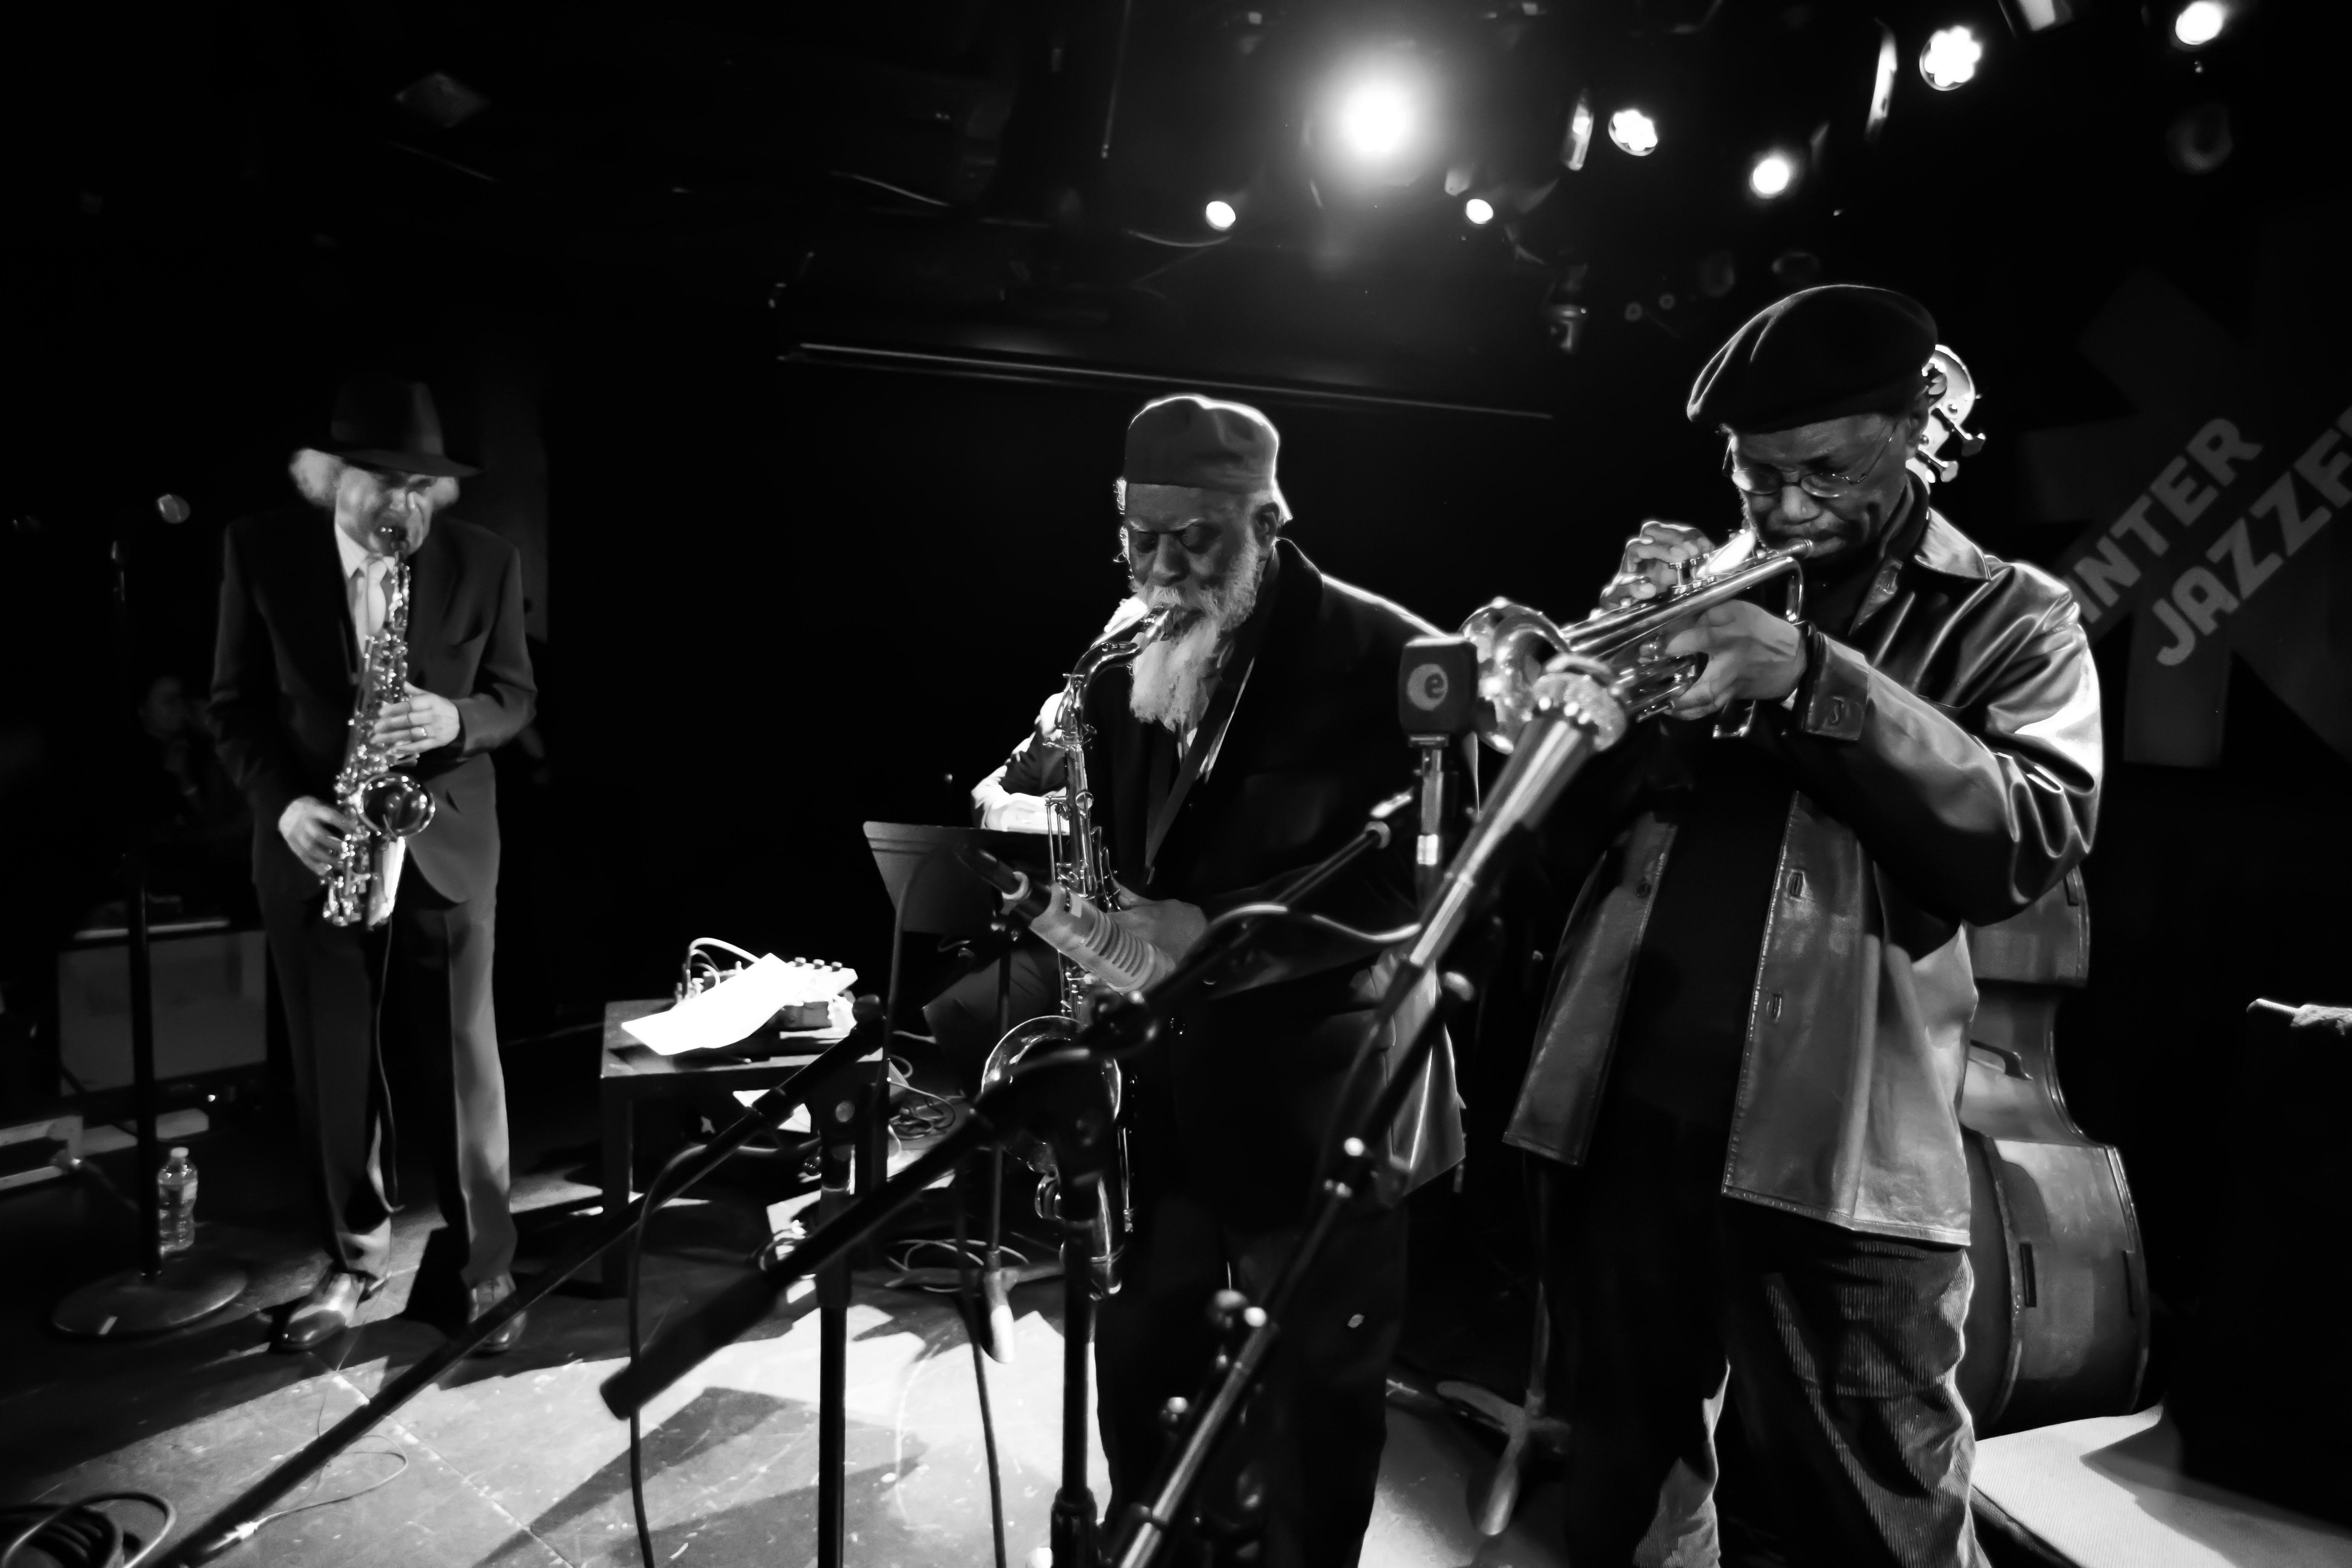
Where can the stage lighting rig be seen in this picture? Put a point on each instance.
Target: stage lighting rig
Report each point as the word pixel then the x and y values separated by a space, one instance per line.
pixel 1951 58
pixel 1220 216
pixel 1633 131
pixel 1479 211
pixel 2198 22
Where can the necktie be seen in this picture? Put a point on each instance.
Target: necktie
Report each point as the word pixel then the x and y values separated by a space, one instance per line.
pixel 367 598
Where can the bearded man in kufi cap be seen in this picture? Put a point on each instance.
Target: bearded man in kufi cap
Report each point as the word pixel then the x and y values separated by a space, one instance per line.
pixel 1250 738
pixel 1747 1084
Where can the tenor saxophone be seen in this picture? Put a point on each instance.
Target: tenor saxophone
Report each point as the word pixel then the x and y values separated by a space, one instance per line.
pixel 1082 866
pixel 385 806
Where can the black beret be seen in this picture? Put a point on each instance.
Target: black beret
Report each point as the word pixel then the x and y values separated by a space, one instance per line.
pixel 1820 353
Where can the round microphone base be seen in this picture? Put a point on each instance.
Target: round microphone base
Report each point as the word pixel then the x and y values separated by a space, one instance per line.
pixel 124 1305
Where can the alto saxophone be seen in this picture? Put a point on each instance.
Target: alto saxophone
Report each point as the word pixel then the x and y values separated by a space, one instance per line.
pixel 385 806
pixel 1082 866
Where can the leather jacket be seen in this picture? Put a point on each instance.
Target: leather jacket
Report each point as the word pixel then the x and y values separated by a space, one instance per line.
pixel 1946 765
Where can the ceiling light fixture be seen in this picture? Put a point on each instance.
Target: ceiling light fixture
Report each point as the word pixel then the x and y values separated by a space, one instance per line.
pixel 1951 58
pixel 2200 23
pixel 1377 119
pixel 1479 211
pixel 1633 131
pixel 1772 175
pixel 1221 215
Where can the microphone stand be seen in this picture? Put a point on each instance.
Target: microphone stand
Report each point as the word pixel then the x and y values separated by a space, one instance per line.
pixel 239 1519
pixel 1057 1093
pixel 161 1293
pixel 1577 716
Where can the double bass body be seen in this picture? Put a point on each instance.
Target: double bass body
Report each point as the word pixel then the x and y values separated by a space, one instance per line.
pixel 2058 1324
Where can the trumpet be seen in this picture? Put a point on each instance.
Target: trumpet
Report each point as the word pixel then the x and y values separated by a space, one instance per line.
pixel 1515 643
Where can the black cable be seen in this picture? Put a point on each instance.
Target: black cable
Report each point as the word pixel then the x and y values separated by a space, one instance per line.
pixel 968 1305
pixel 654 1200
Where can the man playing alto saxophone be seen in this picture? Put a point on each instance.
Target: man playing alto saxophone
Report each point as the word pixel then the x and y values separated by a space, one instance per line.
pixel 1249 740
pixel 1753 1055
pixel 301 596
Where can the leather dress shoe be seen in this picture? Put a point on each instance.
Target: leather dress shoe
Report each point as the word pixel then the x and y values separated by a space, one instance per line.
pixel 332 1307
pixel 482 1299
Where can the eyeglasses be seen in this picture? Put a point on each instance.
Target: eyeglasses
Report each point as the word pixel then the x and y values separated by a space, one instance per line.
pixel 1764 479
pixel 1194 539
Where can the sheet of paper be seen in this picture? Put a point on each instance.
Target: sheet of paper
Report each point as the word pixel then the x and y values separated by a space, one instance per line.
pixel 798 1122
pixel 727 1012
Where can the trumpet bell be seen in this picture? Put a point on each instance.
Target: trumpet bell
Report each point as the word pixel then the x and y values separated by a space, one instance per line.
pixel 1513 644
pixel 1517 645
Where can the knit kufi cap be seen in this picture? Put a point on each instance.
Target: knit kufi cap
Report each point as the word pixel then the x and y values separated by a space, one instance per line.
pixel 1201 444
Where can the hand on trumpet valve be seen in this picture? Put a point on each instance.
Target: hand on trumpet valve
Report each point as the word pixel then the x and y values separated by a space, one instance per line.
pixel 1653 562
pixel 1752 655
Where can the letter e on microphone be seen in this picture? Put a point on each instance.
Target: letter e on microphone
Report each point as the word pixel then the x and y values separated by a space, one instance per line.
pixel 1438 686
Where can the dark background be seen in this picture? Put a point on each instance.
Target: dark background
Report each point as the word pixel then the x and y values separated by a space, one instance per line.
pixel 778 592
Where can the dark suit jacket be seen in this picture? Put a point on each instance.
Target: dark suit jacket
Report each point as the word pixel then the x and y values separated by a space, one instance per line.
pixel 1314 744
pixel 286 673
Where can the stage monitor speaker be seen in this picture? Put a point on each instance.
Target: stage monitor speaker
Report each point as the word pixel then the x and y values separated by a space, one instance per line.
pixel 211 1012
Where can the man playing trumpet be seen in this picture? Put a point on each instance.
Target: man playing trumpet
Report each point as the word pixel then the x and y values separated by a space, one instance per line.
pixel 1753 1056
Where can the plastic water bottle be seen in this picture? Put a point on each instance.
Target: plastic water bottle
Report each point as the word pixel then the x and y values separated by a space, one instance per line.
pixel 175 1193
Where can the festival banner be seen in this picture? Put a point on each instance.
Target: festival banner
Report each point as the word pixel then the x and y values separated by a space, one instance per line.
pixel 2217 508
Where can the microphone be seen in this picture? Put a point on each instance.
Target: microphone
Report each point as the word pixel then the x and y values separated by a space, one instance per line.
pixel 1437 693
pixel 1575 717
pixel 1024 898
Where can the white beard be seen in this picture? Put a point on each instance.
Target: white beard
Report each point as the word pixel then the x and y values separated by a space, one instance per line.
pixel 1173 678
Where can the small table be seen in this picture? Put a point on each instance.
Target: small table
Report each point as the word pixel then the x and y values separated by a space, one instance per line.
pixel 629 1072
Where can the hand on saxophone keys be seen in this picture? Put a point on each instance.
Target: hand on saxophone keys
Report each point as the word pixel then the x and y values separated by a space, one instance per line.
pixel 424 721
pixel 314 831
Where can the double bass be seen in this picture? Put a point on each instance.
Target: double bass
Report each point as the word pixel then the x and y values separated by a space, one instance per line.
pixel 2058 1324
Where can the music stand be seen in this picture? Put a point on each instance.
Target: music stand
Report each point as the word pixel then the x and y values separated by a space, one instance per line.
pixel 957 903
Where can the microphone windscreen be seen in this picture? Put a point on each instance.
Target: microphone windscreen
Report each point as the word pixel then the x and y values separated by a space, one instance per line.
pixel 1438 687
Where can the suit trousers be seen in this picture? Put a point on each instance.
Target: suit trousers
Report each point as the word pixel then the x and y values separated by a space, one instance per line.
pixel 1837 1352
pixel 1311 1442
pixel 409 1002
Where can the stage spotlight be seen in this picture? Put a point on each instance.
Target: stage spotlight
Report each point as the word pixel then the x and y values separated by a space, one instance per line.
pixel 1633 131
pixel 1951 58
pixel 1574 145
pixel 1771 176
pixel 1881 87
pixel 2200 23
pixel 1479 211
pixel 1376 118
pixel 1221 215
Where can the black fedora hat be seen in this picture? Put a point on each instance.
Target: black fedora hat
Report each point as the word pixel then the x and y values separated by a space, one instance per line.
pixel 388 422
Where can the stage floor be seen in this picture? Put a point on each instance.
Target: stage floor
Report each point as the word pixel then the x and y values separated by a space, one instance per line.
pixel 514 1461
